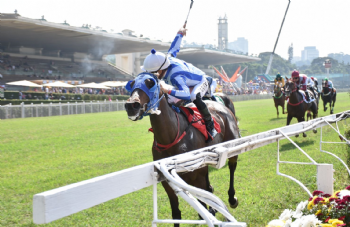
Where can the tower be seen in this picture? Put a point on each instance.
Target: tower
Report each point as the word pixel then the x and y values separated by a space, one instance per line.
pixel 222 33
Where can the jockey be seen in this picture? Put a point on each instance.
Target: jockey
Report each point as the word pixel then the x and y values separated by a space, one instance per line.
pixel 279 79
pixel 314 79
pixel 182 75
pixel 329 84
pixel 303 82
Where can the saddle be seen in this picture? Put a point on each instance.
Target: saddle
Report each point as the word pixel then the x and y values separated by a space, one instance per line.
pixel 311 95
pixel 195 118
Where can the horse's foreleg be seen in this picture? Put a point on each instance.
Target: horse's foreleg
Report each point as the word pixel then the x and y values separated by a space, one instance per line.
pixel 232 163
pixel 174 202
pixel 289 118
pixel 277 111
pixel 301 119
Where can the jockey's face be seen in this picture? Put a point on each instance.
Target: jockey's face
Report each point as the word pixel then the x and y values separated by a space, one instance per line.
pixel 161 73
pixel 295 79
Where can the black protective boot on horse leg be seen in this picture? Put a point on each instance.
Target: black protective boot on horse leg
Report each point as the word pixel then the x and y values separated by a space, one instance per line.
pixel 208 120
pixel 307 96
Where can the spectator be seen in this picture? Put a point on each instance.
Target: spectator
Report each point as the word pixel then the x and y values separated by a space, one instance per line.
pixel 1 76
pixel 20 95
pixel 46 96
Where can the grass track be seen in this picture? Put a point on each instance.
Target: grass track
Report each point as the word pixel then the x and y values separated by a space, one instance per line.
pixel 39 154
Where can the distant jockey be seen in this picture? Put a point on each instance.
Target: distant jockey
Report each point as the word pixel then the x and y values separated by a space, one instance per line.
pixel 303 82
pixel 279 79
pixel 314 79
pixel 329 84
pixel 182 75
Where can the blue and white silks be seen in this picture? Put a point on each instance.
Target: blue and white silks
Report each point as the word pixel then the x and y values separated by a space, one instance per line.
pixel 182 74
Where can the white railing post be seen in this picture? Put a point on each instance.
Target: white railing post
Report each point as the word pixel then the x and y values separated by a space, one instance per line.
pixel 36 110
pixel 60 104
pixel 6 111
pixel 32 108
pixel 42 107
pixel 91 106
pixel 50 109
pixel 76 107
pixel 83 107
pixel 68 107
pixel 325 178
pixel 22 110
pixel 117 105
pixel 99 107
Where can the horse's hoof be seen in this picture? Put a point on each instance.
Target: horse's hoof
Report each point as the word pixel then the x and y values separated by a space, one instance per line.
pixel 304 135
pixel 331 112
pixel 212 211
pixel 297 136
pixel 235 204
pixel 314 130
pixel 325 109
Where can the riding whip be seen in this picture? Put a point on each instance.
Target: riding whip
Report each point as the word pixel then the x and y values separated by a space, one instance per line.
pixel 188 14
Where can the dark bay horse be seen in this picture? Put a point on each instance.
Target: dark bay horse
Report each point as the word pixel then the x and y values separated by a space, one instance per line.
pixel 328 97
pixel 168 127
pixel 296 106
pixel 279 98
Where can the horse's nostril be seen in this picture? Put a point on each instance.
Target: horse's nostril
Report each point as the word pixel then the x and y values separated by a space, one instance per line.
pixel 136 105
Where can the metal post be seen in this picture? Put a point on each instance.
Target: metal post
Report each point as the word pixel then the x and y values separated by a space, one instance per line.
pixel 117 105
pixel 76 108
pixel 50 109
pixel 91 106
pixel 42 109
pixel 32 108
pixel 60 104
pixel 36 110
pixel 22 109
pixel 83 106
pixel 6 111
pixel 68 107
pixel 99 107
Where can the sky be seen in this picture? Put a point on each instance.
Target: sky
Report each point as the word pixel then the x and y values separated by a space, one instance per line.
pixel 320 23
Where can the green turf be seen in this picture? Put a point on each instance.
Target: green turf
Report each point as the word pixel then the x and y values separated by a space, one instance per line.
pixel 39 154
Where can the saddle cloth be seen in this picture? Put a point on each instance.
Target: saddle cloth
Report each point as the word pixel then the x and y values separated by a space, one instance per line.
pixel 195 117
pixel 310 95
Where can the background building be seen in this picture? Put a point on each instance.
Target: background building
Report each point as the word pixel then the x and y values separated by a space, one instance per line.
pixel 222 33
pixel 340 57
pixel 240 45
pixel 309 54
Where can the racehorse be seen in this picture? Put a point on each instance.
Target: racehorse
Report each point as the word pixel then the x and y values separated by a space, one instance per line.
pixel 328 97
pixel 279 98
pixel 296 105
pixel 174 135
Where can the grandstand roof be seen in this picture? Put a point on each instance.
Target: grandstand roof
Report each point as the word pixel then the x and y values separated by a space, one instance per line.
pixel 212 57
pixel 38 33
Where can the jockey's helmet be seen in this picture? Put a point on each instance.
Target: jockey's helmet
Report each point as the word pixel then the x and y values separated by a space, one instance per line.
pixel 312 78
pixel 278 75
pixel 326 79
pixel 155 61
pixel 295 74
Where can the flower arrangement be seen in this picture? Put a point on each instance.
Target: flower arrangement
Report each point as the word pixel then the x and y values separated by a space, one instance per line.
pixel 320 210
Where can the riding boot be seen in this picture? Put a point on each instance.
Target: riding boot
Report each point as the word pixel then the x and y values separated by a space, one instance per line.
pixel 307 96
pixel 213 98
pixel 208 120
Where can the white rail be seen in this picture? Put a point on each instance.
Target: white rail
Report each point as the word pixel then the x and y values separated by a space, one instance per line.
pixel 58 203
pixel 58 109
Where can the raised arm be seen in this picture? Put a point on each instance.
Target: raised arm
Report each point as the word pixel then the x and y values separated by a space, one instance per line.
pixel 175 45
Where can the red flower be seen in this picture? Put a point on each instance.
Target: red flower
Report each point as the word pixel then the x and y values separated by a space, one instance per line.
pixel 327 219
pixel 326 195
pixel 341 225
pixel 317 193
pixel 341 218
pixel 310 199
pixel 332 199
pixel 346 198
pixel 348 187
pixel 317 200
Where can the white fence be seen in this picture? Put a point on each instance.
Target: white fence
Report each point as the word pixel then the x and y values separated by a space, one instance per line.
pixel 58 109
pixel 58 203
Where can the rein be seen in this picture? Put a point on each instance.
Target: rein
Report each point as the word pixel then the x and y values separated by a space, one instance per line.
pixel 160 147
pixel 295 104
pixel 278 96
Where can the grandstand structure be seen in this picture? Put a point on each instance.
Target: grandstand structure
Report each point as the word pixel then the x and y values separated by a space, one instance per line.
pixel 36 49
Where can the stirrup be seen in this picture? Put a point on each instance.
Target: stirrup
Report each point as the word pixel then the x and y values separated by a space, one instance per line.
pixel 211 135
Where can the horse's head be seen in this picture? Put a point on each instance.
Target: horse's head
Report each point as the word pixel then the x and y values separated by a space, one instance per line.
pixel 290 87
pixel 277 87
pixel 144 98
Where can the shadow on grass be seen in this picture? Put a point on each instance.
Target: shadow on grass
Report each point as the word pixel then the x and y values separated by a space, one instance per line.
pixel 277 119
pixel 290 146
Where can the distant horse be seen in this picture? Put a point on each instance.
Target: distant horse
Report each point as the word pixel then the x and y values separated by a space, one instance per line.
pixel 279 98
pixel 328 97
pixel 174 135
pixel 296 105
